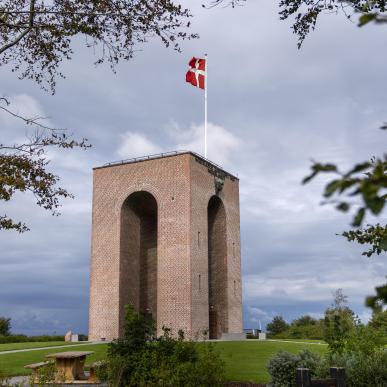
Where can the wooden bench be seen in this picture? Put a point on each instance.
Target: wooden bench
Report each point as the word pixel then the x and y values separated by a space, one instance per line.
pixel 35 367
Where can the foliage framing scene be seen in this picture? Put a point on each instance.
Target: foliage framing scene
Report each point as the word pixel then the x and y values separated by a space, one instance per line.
pixel 49 146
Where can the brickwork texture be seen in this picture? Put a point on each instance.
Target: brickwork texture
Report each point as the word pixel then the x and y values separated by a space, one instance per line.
pixel 166 239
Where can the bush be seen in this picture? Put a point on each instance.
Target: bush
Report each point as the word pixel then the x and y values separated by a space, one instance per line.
pixel 277 326
pixel 339 325
pixel 101 370
pixel 362 355
pixel 25 339
pixel 379 322
pixel 312 331
pixel 141 359
pixel 44 375
pixel 363 370
pixel 364 339
pixel 3 379
pixel 304 327
pixel 314 362
pixel 282 367
pixel 5 326
pixel 167 362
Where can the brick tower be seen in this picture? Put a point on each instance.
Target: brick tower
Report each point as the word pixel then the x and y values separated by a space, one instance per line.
pixel 166 239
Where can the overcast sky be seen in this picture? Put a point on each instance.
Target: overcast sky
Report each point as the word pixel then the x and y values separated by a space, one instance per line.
pixel 272 108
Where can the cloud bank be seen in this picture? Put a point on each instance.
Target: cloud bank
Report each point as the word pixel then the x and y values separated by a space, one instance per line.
pixel 272 108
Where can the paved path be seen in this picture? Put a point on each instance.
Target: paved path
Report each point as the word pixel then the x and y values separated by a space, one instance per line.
pixel 57 346
pixel 24 381
pixel 104 342
pixel 297 342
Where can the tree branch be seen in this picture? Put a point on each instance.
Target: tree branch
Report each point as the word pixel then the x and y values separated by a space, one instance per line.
pixel 25 32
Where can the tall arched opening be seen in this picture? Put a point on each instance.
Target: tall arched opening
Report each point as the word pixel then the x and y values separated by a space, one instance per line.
pixel 138 256
pixel 217 268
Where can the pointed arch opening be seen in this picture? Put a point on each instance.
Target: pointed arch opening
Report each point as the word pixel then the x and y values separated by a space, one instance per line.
pixel 138 256
pixel 217 268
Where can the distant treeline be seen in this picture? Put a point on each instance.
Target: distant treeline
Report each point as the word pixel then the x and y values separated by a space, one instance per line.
pixel 307 327
pixel 24 339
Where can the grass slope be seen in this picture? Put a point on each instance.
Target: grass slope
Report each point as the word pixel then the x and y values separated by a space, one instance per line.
pixel 13 363
pixel 12 346
pixel 245 360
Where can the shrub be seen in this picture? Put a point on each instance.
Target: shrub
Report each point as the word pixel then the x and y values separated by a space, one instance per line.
pixel 5 326
pixel 311 331
pixel 44 375
pixel 25 339
pixel 101 370
pixel 3 379
pixel 314 362
pixel 141 359
pixel 282 367
pixel 304 327
pixel 363 370
pixel 277 326
pixel 364 339
pixel 379 322
pixel 363 356
pixel 138 330
pixel 339 324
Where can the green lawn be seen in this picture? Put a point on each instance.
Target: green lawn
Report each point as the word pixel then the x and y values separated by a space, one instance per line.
pixel 245 360
pixel 12 364
pixel 12 346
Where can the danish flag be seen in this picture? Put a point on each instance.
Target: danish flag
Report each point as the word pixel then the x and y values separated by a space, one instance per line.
pixel 196 73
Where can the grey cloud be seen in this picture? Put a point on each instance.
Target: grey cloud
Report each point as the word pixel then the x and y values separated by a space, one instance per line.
pixel 285 106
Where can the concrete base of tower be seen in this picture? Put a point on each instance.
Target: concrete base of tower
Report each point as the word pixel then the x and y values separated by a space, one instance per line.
pixel 233 336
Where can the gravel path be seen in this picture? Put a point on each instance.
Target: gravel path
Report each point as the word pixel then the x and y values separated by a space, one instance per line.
pixel 58 346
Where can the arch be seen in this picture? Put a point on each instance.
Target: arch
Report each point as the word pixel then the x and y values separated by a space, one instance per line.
pixel 217 268
pixel 138 254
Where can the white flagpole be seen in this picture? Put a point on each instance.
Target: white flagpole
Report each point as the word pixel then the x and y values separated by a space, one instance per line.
pixel 205 104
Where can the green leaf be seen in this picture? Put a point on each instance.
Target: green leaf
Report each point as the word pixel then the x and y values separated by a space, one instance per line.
pixel 325 167
pixel 366 18
pixel 357 221
pixel 317 168
pixel 343 206
pixel 383 244
pixel 375 204
pixel 309 178
pixel 359 168
pixel 331 187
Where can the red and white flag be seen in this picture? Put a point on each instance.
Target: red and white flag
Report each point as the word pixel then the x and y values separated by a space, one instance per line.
pixel 197 73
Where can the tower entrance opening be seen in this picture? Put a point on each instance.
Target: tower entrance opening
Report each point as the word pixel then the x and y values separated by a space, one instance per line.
pixel 138 254
pixel 217 268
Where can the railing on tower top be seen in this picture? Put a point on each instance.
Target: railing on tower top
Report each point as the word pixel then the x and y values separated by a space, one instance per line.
pixel 157 156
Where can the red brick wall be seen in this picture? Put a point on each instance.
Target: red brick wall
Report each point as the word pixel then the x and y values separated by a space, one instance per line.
pixel 138 260
pixel 217 268
pixel 172 275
